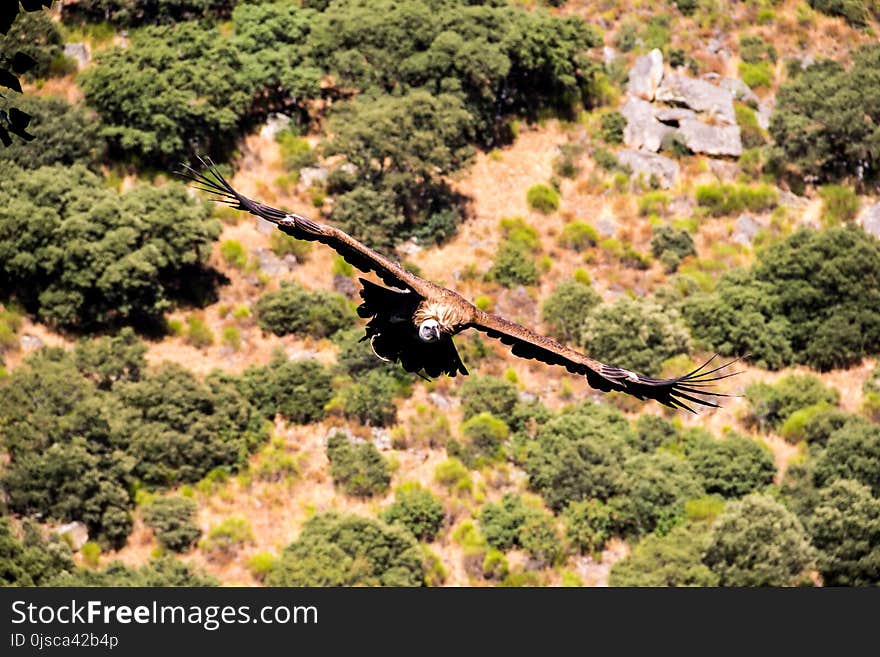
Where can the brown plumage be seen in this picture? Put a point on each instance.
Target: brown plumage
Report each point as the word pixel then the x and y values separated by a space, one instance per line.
pixel 412 321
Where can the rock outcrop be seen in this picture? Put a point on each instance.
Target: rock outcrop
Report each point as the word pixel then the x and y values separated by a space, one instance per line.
pixel 648 165
pixel 645 75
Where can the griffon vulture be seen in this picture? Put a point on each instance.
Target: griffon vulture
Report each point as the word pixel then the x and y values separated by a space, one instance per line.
pixel 413 321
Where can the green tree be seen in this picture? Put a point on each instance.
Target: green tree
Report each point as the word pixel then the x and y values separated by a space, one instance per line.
pixel 824 120
pixel 809 299
pixel 293 309
pixel 566 309
pixel 672 559
pixel 296 389
pixel 173 521
pixel 488 394
pixel 637 335
pixel 348 550
pixel 159 572
pixel 416 509
pixel 771 405
pixel 852 452
pixel 758 542
pixel 32 559
pixel 63 134
pixel 370 400
pixel 35 34
pixel 81 255
pixel 360 469
pixel 732 466
pixel 845 528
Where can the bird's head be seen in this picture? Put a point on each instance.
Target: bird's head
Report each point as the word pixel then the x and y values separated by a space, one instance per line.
pixel 429 330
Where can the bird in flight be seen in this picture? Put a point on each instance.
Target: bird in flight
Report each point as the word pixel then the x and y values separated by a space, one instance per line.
pixel 413 321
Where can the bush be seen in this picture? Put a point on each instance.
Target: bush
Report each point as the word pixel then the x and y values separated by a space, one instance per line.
pixel 81 255
pixel 579 455
pixel 370 400
pixel 36 35
pixel 653 203
pixel 658 485
pixel 295 151
pixel 588 525
pixel 852 452
pixel 845 528
pixel 501 524
pixel 721 199
pixel 63 134
pixel 484 435
pixel 283 244
pixel 488 394
pixel 234 253
pixel 298 390
pixel 32 560
pixel 198 333
pixel 293 309
pixel 226 538
pixel 856 12
pixel 495 566
pixel 542 198
pixel 416 509
pixel 611 125
pixel 824 122
pixel 132 13
pixel 513 266
pixel 653 431
pixel 636 335
pixel 753 136
pixel 578 235
pixel 757 76
pixel 348 550
pixel 758 542
pixel 158 572
pixel 733 466
pixel 840 204
pixel 673 559
pixel 173 521
pixel 794 428
pixel 672 246
pixel 359 469
pixel 516 231
pixel 566 309
pixel 772 405
pixel 566 164
pixel 540 539
pixel 806 300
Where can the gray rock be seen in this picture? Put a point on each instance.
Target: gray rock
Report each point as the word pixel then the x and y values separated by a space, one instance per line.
pixel 606 227
pixel 699 95
pixel 642 129
pixel 381 438
pixel 270 264
pixel 75 533
pixel 410 247
pixel 274 124
pixel 645 75
pixel 740 91
pixel 309 176
pixel 345 285
pixel 650 164
pixel 869 219
pixel 609 54
pixel 764 112
pixel 714 45
pixel 726 171
pixel 30 342
pixel 443 402
pixel 79 52
pixel 265 227
pixel 711 139
pixel 792 200
pixel 745 229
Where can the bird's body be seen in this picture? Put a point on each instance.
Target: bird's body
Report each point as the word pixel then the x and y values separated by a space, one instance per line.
pixel 413 321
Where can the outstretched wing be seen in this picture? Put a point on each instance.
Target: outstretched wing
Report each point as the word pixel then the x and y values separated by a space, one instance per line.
pixel 356 254
pixel 694 387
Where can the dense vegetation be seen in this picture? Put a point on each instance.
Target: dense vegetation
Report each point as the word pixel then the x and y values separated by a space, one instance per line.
pixel 273 414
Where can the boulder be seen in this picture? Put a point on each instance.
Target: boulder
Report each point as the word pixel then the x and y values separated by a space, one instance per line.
pixel 674 115
pixel 724 170
pixel 711 139
pixel 274 124
pixel 699 95
pixel 606 226
pixel 381 438
pixel 650 164
pixel 309 176
pixel 79 52
pixel 75 533
pixel 745 229
pixel 645 75
pixel 642 129
pixel 609 54
pixel 869 219
pixel 31 342
pixel 740 91
pixel 345 286
pixel 270 264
